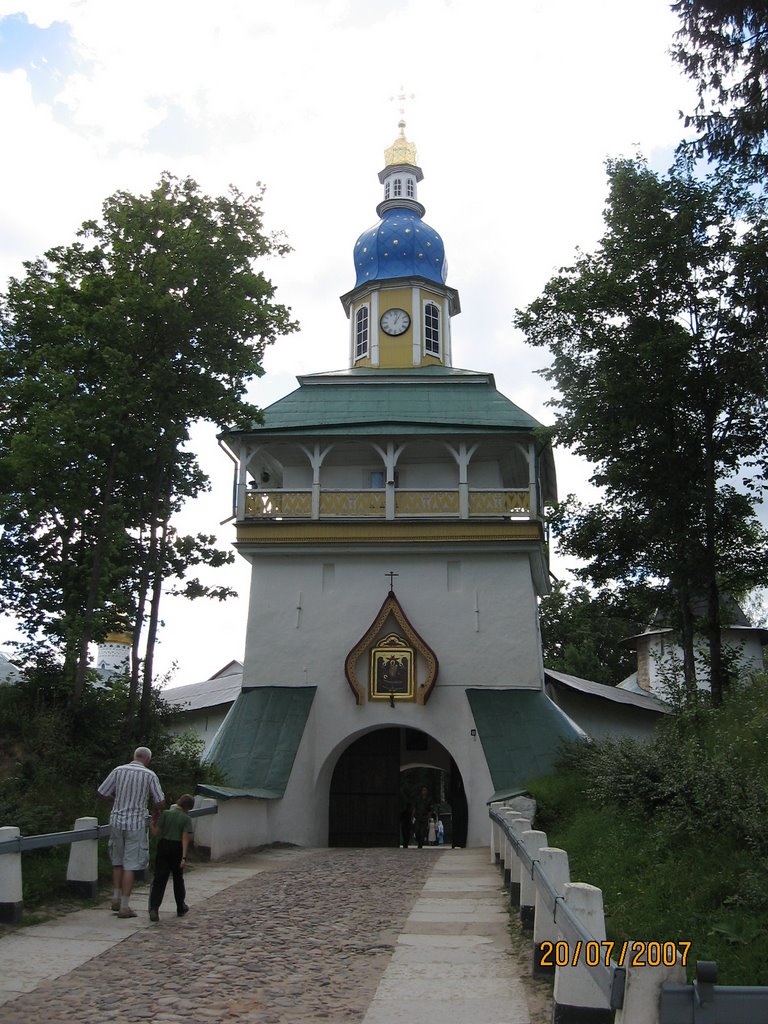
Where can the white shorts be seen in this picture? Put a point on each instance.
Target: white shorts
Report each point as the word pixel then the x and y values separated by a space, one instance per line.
pixel 129 848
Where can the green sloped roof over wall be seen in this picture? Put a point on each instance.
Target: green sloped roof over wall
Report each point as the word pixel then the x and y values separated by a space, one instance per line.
pixel 257 743
pixel 426 398
pixel 521 732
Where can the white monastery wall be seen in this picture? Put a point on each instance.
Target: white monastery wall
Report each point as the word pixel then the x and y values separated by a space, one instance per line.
pixel 204 723
pixel 660 658
pixel 300 634
pixel 480 619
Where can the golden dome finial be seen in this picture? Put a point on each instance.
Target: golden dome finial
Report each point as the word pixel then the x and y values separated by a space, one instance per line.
pixel 401 151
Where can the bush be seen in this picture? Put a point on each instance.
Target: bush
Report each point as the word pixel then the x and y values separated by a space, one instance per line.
pixel 51 764
pixel 675 831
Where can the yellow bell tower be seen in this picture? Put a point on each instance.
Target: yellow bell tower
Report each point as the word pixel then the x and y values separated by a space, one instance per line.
pixel 400 308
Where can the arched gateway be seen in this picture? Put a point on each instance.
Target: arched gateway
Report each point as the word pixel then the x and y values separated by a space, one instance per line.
pixel 375 783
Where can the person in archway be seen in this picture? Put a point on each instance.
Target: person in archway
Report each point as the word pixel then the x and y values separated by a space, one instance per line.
pixel 422 809
pixel 406 825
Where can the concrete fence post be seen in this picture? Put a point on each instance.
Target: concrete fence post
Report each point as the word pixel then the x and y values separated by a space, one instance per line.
pixel 83 866
pixel 524 805
pixel 499 849
pixel 205 837
pixel 577 999
pixel 508 855
pixel 495 832
pixel 518 826
pixel 533 841
pixel 642 991
pixel 497 837
pixel 11 900
pixel 554 864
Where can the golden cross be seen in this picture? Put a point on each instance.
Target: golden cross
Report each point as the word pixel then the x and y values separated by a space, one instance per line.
pixel 401 98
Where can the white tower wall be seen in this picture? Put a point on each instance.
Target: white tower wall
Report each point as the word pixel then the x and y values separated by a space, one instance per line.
pixel 307 611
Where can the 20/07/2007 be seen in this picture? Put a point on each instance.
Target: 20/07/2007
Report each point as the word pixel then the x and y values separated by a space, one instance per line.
pixel 630 954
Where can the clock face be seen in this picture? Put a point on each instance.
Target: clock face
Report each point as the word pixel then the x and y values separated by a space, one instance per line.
pixel 395 321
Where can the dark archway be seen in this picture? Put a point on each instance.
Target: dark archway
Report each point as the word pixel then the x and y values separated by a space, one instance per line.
pixel 458 799
pixel 372 785
pixel 364 799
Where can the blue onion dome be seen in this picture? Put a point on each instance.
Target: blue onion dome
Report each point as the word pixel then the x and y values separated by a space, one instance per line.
pixel 400 245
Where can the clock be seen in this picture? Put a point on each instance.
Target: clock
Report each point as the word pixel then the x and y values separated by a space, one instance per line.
pixel 395 321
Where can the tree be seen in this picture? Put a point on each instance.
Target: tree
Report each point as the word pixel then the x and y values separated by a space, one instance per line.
pixel 111 348
pixel 582 630
pixel 661 363
pixel 723 47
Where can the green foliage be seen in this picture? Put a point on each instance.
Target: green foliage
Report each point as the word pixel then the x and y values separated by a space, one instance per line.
pixel 675 831
pixel 47 779
pixel 110 349
pixel 661 367
pixel 180 766
pixel 722 46
pixel 581 632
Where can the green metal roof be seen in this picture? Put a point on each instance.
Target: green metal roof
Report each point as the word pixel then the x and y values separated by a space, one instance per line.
pixel 431 399
pixel 521 732
pixel 257 743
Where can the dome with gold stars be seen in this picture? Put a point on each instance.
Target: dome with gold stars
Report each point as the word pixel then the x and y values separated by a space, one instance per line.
pixel 400 245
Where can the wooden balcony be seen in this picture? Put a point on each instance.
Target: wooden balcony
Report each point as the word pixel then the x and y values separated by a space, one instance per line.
pixel 392 503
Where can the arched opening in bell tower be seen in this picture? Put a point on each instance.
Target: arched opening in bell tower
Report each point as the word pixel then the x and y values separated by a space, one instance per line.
pixel 377 781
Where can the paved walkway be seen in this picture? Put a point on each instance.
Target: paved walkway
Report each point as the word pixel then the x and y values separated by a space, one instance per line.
pixel 284 937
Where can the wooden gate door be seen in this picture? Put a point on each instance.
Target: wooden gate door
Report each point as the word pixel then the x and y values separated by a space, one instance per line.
pixel 364 798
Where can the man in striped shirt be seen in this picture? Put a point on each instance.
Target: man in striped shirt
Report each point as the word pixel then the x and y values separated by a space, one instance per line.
pixel 130 785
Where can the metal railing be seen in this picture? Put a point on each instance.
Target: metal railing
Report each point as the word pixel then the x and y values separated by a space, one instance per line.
pixel 705 1002
pixel 702 1002
pixel 22 844
pixel 611 979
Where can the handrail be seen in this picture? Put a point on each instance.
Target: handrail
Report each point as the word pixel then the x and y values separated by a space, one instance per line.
pixel 21 844
pixel 611 980
pixel 450 502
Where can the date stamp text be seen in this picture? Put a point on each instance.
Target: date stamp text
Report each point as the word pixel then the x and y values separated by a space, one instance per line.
pixel 626 954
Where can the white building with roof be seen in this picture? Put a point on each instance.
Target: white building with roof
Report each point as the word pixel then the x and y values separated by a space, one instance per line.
pixel 204 706
pixel 660 654
pixel 393 513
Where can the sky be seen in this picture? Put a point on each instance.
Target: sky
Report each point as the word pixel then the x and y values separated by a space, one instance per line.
pixel 514 108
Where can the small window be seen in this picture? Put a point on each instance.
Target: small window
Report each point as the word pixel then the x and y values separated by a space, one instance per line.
pixel 410 188
pixel 361 332
pixel 397 188
pixel 379 481
pixel 387 190
pixel 432 329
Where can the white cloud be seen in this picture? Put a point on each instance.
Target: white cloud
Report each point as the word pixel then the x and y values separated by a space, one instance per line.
pixel 517 107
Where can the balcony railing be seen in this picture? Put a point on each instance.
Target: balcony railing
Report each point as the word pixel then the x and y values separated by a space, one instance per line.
pixel 403 503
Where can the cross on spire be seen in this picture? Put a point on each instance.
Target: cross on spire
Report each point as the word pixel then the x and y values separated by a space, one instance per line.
pixel 401 98
pixel 391 580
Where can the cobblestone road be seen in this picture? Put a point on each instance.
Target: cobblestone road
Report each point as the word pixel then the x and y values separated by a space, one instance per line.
pixel 307 941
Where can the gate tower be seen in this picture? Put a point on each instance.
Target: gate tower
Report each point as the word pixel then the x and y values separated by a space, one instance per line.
pixel 393 514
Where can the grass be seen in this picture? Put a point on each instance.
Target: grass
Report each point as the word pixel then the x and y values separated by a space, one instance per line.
pixel 44 875
pixel 658 883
